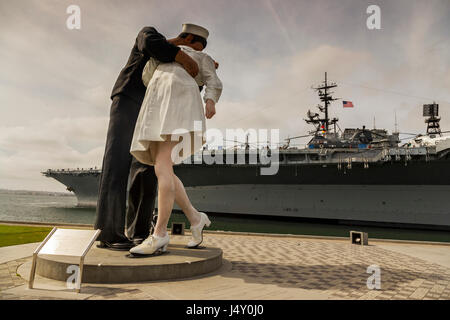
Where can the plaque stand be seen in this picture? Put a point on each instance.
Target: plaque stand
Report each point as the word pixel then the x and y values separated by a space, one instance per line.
pixel 65 242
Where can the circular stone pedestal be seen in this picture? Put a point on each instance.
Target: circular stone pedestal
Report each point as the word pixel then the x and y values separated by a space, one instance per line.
pixel 108 266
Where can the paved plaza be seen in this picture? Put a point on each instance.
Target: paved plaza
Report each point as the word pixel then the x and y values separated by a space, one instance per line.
pixel 267 267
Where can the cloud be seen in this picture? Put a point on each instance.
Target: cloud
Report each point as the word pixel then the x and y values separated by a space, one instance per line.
pixel 25 151
pixel 284 100
pixel 55 83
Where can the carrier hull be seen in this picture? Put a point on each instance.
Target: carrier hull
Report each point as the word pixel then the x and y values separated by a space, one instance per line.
pixel 386 204
pixel 413 193
pixel 390 192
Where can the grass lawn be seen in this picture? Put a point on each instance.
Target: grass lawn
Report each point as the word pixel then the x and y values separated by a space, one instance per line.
pixel 12 235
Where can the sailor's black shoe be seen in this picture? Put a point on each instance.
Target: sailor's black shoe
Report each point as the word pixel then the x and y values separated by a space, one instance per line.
pixel 137 241
pixel 121 246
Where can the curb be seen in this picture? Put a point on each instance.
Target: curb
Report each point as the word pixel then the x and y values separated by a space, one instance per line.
pixel 277 235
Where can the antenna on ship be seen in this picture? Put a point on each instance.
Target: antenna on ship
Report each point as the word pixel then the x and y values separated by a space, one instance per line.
pixel 432 112
pixel 395 123
pixel 322 124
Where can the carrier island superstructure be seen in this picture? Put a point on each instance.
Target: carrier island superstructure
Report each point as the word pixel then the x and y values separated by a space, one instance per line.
pixel 358 175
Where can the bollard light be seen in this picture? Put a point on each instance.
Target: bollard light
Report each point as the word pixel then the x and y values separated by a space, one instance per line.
pixel 359 238
pixel 178 228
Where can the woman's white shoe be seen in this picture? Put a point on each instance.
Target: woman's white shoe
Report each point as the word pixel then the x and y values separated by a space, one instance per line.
pixel 151 245
pixel 197 231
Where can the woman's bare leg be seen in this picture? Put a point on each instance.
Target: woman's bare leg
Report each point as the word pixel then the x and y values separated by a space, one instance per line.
pixel 170 189
pixel 166 185
pixel 182 200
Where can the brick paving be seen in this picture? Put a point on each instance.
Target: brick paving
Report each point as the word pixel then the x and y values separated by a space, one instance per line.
pixel 335 268
pixel 10 279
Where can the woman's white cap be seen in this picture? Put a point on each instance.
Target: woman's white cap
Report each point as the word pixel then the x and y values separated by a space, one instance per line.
pixel 195 29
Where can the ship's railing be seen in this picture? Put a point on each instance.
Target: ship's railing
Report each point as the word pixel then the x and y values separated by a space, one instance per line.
pixel 324 156
pixel 73 170
pixel 231 148
pixel 328 155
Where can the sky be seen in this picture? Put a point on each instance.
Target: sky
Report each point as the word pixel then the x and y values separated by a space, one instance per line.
pixel 55 83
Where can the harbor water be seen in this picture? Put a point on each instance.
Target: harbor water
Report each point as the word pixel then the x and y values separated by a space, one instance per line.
pixel 62 209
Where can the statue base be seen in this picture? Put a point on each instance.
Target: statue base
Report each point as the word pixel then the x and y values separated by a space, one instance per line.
pixel 108 266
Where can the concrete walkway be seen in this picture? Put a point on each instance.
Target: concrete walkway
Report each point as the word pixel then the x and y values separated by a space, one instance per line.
pixel 268 267
pixel 17 252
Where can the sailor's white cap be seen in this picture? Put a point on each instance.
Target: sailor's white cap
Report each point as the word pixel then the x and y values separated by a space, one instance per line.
pixel 195 29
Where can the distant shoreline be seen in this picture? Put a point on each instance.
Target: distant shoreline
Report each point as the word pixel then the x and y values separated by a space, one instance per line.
pixel 34 192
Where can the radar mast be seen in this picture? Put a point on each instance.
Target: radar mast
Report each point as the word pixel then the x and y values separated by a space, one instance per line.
pixel 322 124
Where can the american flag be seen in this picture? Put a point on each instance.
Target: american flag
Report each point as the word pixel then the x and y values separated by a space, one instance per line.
pixel 347 104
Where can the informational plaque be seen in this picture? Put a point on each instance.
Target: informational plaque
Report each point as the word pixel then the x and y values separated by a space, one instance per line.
pixel 65 242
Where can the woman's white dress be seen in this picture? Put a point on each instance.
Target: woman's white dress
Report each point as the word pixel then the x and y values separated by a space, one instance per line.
pixel 173 108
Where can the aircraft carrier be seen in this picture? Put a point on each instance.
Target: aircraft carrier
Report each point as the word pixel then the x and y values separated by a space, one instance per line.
pixel 356 175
